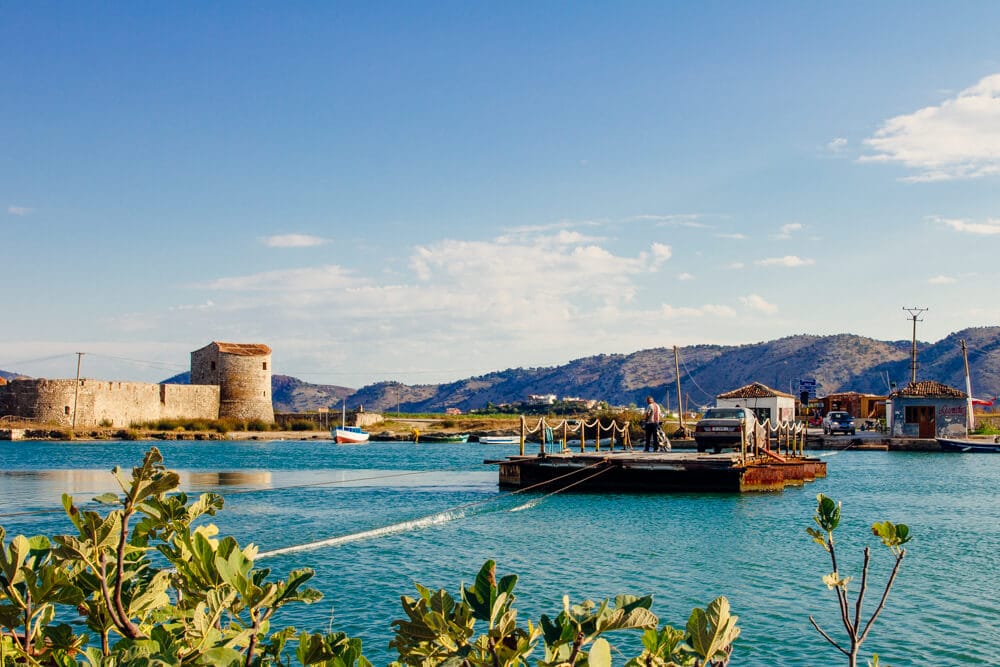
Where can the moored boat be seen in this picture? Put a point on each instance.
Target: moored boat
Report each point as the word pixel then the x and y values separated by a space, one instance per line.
pixel 443 437
pixel 969 446
pixel 348 435
pixel 500 439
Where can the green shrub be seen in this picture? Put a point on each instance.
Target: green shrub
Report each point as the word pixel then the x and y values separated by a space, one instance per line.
pixel 302 425
pixel 258 425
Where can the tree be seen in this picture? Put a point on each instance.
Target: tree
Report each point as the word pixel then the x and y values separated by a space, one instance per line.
pixel 893 536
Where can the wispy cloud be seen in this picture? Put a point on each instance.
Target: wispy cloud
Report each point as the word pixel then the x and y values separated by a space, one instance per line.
pixel 293 241
pixel 685 276
pixel 672 220
pixel 941 280
pixel 960 138
pixel 788 261
pixel 737 266
pixel 714 310
pixel 987 228
pixel 837 145
pixel 20 210
pixel 786 231
pixel 736 236
pixel 758 303
pixel 287 280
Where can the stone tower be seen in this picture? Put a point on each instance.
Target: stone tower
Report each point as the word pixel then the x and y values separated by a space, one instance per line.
pixel 243 373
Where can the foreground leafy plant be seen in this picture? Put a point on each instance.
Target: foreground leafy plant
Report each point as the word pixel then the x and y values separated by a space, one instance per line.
pixel 440 630
pixel 893 536
pixel 207 606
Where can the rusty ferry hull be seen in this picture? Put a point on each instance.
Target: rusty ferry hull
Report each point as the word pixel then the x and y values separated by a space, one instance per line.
pixel 655 472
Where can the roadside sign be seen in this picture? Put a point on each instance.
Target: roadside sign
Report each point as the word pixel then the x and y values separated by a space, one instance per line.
pixel 808 386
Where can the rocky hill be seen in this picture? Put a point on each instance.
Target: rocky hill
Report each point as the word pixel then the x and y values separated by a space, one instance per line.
pixel 842 362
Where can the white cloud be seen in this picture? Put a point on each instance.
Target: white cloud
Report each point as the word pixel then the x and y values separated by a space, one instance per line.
pixel 674 312
pixel 736 236
pixel 837 145
pixel 20 211
pixel 789 261
pixel 941 280
pixel 661 252
pixel 758 303
pixel 987 228
pixel 672 220
pixel 685 276
pixel 737 265
pixel 293 241
pixel 786 231
pixel 960 138
pixel 287 280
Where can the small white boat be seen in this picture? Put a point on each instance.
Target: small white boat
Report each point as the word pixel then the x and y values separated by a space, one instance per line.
pixel 500 439
pixel 348 435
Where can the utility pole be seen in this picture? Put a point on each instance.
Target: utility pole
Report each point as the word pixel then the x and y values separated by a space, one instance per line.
pixel 914 314
pixel 76 389
pixel 680 400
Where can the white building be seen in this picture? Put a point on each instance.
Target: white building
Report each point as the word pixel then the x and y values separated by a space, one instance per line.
pixel 766 403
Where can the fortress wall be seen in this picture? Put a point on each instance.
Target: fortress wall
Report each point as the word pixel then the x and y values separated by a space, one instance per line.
pixel 117 403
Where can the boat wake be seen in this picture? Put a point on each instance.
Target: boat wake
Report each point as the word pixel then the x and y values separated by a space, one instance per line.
pixel 402 527
pixel 526 506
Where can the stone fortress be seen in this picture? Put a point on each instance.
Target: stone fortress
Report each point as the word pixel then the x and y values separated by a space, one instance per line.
pixel 228 380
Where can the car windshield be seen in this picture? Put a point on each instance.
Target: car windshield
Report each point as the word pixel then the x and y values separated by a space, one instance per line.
pixel 839 415
pixel 723 413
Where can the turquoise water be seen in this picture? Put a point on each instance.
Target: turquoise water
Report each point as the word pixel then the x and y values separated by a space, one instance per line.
pixel 432 513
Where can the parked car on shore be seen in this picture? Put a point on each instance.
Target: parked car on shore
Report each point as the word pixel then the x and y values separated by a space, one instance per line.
pixel 722 427
pixel 838 421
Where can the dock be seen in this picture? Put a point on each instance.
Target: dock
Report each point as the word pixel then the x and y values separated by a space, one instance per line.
pixel 656 472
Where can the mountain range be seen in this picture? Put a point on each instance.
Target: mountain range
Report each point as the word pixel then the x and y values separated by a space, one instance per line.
pixel 842 362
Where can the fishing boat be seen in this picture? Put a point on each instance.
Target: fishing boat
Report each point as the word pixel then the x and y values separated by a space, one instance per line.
pixel 348 435
pixel 969 446
pixel 500 439
pixel 443 437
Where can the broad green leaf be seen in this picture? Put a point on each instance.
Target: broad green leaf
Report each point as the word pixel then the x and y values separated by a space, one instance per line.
pixel 600 654
pixel 107 499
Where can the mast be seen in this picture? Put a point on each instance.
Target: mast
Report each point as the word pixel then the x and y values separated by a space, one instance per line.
pixel 970 417
pixel 680 400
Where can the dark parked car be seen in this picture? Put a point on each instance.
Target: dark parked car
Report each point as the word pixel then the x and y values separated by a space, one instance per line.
pixel 721 427
pixel 838 421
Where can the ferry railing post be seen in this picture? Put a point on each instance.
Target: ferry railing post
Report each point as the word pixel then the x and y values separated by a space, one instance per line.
pixel 743 442
pixel 541 435
pixel 597 439
pixel 523 428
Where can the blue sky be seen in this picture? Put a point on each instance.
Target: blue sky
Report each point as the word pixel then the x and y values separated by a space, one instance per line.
pixel 423 192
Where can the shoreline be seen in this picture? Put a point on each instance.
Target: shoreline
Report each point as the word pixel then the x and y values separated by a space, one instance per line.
pixel 874 442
